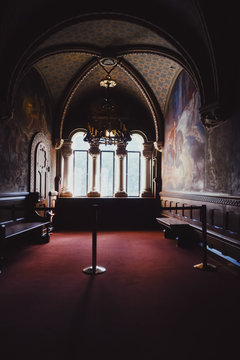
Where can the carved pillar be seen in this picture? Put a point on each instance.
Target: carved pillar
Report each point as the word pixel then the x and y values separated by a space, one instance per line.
pixel 66 153
pixel 147 153
pixel 157 167
pixel 121 154
pixel 94 152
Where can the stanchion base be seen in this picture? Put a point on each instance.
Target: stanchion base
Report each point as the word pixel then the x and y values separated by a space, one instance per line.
pixel 89 270
pixel 206 267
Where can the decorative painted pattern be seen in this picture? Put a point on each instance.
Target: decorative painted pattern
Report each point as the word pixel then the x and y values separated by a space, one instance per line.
pixel 106 32
pixel 59 69
pixel 221 200
pixel 124 81
pixel 158 71
pixel 92 80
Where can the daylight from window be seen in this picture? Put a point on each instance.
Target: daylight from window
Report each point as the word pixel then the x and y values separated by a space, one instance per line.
pixel 107 173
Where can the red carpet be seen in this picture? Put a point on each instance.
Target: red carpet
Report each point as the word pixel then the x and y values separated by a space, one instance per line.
pixel 149 304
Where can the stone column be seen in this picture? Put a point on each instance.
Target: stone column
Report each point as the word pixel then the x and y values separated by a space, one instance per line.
pixel 121 153
pixel 66 153
pixel 94 152
pixel 147 153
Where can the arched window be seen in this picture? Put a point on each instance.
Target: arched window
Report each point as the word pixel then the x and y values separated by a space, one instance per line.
pixel 134 165
pixel 80 164
pixel 107 169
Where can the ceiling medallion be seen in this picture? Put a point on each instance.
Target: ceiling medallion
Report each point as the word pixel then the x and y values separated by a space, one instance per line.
pixel 108 61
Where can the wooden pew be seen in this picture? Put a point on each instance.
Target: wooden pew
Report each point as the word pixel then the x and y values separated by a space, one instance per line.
pixel 178 229
pixel 18 216
pixel 178 226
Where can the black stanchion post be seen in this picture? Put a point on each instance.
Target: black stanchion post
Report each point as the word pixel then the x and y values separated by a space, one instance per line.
pixel 94 269
pixel 94 238
pixel 204 265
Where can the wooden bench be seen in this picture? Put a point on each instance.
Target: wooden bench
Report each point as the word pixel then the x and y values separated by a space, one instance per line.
pixel 178 229
pixel 18 216
pixel 184 232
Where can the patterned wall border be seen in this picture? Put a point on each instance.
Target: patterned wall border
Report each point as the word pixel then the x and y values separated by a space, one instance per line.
pixel 221 200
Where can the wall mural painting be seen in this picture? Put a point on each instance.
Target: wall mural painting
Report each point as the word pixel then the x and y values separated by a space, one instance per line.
pixel 16 133
pixel 184 144
pixel 13 157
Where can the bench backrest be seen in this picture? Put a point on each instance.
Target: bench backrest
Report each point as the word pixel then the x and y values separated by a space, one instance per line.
pixel 15 206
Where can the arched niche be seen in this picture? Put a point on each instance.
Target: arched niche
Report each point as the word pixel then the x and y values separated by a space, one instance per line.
pixel 40 166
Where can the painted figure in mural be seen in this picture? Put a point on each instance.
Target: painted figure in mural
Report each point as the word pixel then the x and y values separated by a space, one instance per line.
pixel 184 149
pixel 33 113
pixel 171 145
pixel 192 148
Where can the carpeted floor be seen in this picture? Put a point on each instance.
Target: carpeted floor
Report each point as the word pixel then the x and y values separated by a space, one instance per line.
pixel 149 304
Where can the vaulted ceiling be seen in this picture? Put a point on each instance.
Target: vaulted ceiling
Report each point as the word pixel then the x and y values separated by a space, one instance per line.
pixel 76 56
pixel 65 54
pixel 70 46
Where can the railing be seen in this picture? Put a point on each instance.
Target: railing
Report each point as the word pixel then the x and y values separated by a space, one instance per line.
pixel 203 218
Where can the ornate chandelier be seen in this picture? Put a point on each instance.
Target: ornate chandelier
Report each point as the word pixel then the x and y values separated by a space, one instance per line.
pixel 106 127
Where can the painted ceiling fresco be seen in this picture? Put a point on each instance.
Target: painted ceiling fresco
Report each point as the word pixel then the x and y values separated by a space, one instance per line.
pixel 104 33
pixel 66 52
pixel 158 71
pixel 59 69
pixel 121 78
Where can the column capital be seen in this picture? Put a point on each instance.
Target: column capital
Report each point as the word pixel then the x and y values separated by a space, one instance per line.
pixel 94 149
pixel 121 149
pixel 148 149
pixel 66 148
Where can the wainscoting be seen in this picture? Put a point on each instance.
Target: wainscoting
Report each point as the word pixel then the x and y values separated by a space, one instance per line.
pixel 113 213
pixel 223 218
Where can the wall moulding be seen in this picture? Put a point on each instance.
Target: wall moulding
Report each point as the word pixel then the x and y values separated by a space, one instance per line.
pixel 216 199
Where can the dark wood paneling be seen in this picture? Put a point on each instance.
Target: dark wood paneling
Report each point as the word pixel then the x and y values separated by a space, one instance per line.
pixel 113 213
pixel 223 218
